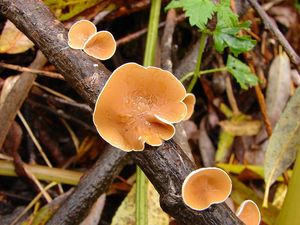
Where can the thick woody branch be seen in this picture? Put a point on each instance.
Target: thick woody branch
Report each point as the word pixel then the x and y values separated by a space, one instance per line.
pixel 166 166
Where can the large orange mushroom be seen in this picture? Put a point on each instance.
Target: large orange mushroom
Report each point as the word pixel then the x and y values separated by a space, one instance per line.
pixel 138 105
pixel 80 32
pixel 100 45
pixel 206 186
pixel 249 213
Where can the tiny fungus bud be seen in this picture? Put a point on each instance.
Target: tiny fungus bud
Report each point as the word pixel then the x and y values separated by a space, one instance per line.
pixel 80 32
pixel 189 101
pixel 206 186
pixel 100 45
pixel 138 105
pixel 249 213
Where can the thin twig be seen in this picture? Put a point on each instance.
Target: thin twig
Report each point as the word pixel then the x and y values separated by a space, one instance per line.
pixel 35 141
pixel 231 97
pixel 141 32
pixel 269 24
pixel 30 70
pixel 166 41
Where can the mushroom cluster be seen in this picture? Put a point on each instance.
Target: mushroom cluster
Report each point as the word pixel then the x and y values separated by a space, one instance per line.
pixel 139 105
pixel 207 186
pixel 83 35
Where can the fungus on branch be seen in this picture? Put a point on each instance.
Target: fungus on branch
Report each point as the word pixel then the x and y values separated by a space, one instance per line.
pixel 80 32
pixel 138 105
pixel 100 45
pixel 83 35
pixel 189 101
pixel 206 186
pixel 249 213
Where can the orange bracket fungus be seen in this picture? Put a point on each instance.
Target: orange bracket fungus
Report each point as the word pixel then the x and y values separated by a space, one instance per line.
pixel 83 35
pixel 206 186
pixel 189 101
pixel 80 32
pixel 101 45
pixel 138 105
pixel 249 213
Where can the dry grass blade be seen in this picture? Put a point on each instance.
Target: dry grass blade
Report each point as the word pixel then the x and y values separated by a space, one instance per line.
pixel 26 69
pixel 35 141
pixel 32 203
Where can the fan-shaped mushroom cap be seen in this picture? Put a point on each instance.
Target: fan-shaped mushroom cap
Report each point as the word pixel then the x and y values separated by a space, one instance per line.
pixel 249 213
pixel 190 101
pixel 206 186
pixel 101 45
pixel 80 32
pixel 138 105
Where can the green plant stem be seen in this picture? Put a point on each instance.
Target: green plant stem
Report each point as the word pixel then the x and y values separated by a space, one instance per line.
pixel 290 211
pixel 149 59
pixel 43 173
pixel 152 33
pixel 199 60
pixel 188 75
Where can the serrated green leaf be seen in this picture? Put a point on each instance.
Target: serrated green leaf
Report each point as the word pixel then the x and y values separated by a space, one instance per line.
pixel 174 5
pixel 284 142
pixel 198 11
pixel 226 17
pixel 227 31
pixel 229 37
pixel 241 72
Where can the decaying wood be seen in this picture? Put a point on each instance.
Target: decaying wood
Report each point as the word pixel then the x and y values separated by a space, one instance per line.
pixel 166 166
pixel 16 97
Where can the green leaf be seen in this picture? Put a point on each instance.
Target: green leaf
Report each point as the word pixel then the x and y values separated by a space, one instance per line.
pixel 174 5
pixel 241 72
pixel 228 37
pixel 284 142
pixel 226 17
pixel 227 31
pixel 198 11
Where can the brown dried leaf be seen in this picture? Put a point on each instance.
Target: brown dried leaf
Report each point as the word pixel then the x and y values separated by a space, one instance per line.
pixel 279 87
pixel 13 41
pixel 241 128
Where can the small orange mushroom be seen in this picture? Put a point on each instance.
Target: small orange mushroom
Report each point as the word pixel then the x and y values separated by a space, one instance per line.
pixel 190 101
pixel 80 32
pixel 101 45
pixel 249 213
pixel 138 105
pixel 206 186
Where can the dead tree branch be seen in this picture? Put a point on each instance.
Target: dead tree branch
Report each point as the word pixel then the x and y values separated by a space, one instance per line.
pixel 269 24
pixel 166 166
